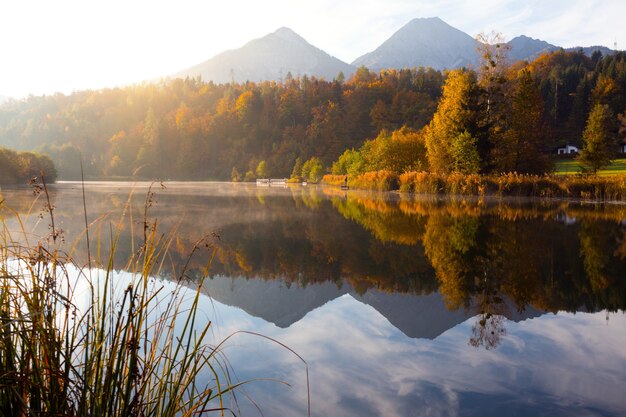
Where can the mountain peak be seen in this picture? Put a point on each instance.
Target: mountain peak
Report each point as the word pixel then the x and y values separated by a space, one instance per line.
pixel 422 20
pixel 270 57
pixel 289 35
pixel 428 42
pixel 285 31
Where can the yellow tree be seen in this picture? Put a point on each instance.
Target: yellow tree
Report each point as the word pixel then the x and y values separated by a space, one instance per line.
pixel 454 116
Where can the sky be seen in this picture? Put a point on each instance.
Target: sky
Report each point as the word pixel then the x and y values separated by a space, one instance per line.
pixel 70 45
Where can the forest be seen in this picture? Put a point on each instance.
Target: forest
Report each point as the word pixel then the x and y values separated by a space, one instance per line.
pixel 504 118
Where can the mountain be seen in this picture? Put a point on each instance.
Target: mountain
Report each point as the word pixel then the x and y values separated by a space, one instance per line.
pixel 271 57
pixel 271 300
pixel 426 316
pixel 428 42
pixel 524 48
pixel 417 316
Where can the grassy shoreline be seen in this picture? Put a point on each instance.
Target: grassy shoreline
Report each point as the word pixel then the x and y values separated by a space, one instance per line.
pixel 573 167
pixel 589 187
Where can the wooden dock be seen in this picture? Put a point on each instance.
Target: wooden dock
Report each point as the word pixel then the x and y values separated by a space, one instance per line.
pixel 268 182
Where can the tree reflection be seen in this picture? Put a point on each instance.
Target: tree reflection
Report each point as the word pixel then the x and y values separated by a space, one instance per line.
pixel 488 331
pixel 460 250
pixel 484 256
pixel 489 328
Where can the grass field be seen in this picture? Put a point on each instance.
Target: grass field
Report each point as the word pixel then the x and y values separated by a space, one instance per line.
pixel 618 166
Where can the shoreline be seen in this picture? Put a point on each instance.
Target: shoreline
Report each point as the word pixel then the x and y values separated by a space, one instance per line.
pixel 584 188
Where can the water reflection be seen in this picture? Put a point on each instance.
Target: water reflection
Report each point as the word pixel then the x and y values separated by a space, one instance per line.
pixel 388 297
pixel 361 364
pixel 492 258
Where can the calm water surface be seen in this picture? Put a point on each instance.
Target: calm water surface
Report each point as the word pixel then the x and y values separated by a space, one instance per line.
pixel 401 306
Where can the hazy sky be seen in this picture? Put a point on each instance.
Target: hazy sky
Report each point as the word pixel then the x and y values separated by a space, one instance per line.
pixel 65 45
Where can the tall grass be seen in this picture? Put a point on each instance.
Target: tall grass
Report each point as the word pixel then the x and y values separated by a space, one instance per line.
pixel 75 343
pixel 606 188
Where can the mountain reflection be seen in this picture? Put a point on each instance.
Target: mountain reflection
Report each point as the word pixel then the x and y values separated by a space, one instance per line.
pixel 492 259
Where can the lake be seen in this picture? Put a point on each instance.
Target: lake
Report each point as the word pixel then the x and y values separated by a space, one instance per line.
pixel 400 305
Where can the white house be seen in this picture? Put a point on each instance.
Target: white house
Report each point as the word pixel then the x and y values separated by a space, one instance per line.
pixel 566 150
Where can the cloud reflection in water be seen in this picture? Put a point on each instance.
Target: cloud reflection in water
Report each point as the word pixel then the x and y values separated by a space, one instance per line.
pixel 563 364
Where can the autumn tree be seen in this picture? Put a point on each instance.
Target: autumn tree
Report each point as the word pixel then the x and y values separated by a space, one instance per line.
pixel 599 139
pixel 455 115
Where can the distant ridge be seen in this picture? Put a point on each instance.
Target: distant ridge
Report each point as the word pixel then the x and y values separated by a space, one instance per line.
pixel 427 42
pixel 589 50
pixel 524 48
pixel 271 57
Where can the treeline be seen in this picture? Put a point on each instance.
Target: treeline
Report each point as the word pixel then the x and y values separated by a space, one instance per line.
pixel 20 167
pixel 189 129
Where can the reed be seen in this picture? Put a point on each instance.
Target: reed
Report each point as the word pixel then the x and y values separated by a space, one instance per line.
pixel 589 187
